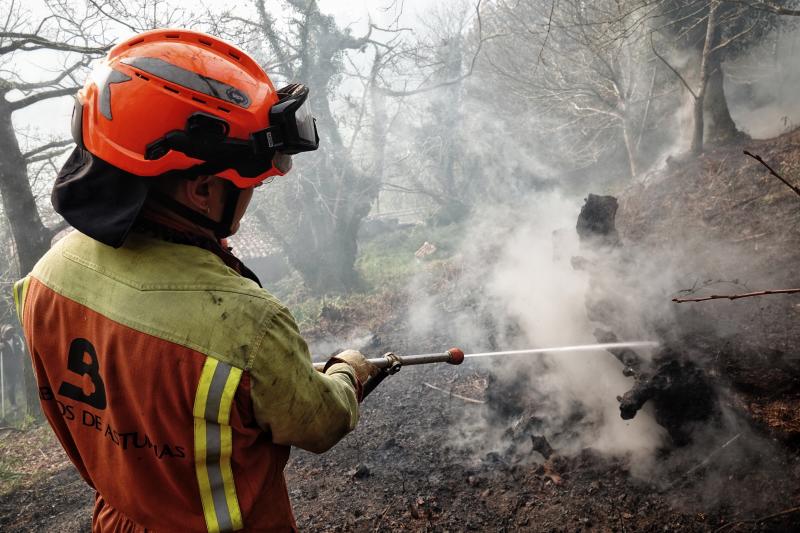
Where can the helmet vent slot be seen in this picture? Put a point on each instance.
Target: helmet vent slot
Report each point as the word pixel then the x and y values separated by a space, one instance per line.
pixel 140 75
pixel 205 42
pixel 172 89
pixel 198 100
pixel 173 36
pixel 234 55
pixel 224 109
pixel 134 43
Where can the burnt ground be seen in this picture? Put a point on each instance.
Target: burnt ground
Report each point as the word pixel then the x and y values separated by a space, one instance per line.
pixel 414 464
pixel 406 469
pixel 739 228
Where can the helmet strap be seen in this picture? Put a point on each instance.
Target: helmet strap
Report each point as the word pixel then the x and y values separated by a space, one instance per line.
pixel 221 229
pixel 232 193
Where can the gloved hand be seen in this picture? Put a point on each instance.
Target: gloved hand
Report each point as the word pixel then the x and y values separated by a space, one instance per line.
pixel 364 369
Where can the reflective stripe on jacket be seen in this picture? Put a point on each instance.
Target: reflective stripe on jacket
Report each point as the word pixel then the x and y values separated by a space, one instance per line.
pixel 175 385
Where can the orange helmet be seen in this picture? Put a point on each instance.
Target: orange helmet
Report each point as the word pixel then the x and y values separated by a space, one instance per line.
pixel 172 100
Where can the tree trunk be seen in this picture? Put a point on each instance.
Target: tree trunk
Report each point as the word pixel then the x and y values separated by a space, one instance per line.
pixel 630 146
pixel 699 125
pixel 705 70
pixel 334 197
pixel 333 203
pixel 324 248
pixel 31 237
pixel 720 126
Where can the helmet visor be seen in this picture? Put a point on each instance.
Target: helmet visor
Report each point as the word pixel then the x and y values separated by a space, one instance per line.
pixel 306 126
pixel 291 120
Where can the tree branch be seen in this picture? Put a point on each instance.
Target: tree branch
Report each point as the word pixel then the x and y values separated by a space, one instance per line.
pixel 44 95
pixel 20 40
pixel 58 228
pixel 736 296
pixel 459 79
pixel 546 36
pixel 49 155
pixel 115 19
pixel 771 171
pixel 266 26
pixel 733 38
pixel 678 74
pixel 24 87
pixel 772 8
pixel 45 147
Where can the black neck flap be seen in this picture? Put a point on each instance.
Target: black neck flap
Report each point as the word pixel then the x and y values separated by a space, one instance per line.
pixel 103 201
pixel 97 198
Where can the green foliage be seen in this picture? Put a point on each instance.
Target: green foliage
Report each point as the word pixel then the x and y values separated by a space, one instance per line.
pixel 31 421
pixel 387 261
pixel 385 264
pixel 8 466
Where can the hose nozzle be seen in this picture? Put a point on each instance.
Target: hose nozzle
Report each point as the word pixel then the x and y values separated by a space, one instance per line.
pixel 456 356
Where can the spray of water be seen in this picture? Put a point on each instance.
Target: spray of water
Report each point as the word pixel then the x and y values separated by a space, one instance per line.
pixel 576 348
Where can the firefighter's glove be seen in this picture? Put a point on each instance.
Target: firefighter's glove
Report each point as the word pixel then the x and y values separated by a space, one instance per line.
pixel 363 368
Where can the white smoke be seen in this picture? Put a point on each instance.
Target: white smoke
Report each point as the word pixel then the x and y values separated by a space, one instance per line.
pixel 517 262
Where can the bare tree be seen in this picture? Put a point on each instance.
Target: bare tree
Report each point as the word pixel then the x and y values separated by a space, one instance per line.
pixel 714 30
pixel 430 72
pixel 427 77
pixel 134 16
pixel 583 67
pixel 76 36
pixel 316 215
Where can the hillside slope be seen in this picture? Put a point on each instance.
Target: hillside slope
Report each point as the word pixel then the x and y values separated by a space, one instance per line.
pixel 727 226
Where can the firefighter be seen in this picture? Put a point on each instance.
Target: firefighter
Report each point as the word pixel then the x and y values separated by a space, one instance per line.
pixel 175 383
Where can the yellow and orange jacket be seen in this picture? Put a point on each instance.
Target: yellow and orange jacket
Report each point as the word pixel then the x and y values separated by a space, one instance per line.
pixel 175 385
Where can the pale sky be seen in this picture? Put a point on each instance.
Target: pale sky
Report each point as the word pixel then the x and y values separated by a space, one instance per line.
pixel 52 117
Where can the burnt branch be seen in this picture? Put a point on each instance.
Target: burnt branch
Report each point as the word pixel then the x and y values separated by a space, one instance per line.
pixel 453 394
pixel 771 171
pixel 734 525
pixel 736 296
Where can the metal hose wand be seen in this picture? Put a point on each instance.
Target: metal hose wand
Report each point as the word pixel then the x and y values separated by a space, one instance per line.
pixel 391 363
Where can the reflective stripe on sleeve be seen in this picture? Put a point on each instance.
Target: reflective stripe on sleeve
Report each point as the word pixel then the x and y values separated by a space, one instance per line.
pixel 213 445
pixel 20 292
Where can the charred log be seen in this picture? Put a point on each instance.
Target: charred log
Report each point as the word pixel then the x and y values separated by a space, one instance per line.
pixel 539 444
pixel 678 388
pixel 597 221
pixel 681 395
